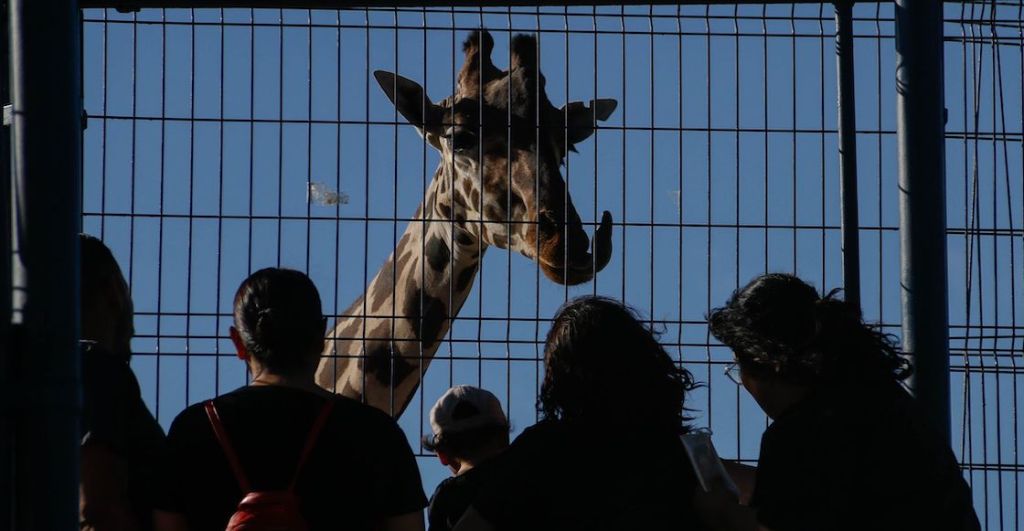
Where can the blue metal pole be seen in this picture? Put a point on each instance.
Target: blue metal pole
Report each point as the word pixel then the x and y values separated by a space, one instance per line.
pixel 6 237
pixel 46 157
pixel 922 199
pixel 847 125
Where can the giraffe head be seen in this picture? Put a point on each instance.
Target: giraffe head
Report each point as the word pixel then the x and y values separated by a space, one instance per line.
pixel 502 145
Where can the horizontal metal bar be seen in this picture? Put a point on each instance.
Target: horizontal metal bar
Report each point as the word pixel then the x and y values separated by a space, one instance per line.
pixel 788 35
pixel 951 231
pixel 575 14
pixel 1013 42
pixel 514 318
pixel 380 219
pixel 1013 136
pixel 956 356
pixel 128 5
pixel 659 128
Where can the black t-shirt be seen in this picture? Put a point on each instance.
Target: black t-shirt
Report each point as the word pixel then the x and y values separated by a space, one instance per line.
pixel 114 415
pixel 564 477
pixel 454 495
pixel 858 459
pixel 360 470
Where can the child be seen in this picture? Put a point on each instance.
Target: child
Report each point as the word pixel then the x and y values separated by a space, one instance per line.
pixel 469 428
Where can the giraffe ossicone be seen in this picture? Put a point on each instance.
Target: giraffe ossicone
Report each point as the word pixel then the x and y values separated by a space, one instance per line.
pixel 499 184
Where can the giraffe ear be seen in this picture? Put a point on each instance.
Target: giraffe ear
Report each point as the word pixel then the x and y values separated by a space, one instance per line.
pixel 412 102
pixel 581 118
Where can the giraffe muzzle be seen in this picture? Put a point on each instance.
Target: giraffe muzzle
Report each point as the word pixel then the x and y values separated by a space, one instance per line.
pixel 581 266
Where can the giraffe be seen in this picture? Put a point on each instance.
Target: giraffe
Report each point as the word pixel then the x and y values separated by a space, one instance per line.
pixel 498 184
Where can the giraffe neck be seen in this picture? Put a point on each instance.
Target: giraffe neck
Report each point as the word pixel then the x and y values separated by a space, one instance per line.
pixel 382 345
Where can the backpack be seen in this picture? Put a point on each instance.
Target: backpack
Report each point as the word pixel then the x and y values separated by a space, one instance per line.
pixel 267 510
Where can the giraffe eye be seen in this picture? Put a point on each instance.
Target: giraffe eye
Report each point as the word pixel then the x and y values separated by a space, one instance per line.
pixel 463 140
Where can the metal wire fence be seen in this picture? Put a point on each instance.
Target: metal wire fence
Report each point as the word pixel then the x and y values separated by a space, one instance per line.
pixel 208 128
pixel 984 53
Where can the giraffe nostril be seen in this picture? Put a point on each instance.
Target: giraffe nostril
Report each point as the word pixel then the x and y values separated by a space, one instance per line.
pixel 548 219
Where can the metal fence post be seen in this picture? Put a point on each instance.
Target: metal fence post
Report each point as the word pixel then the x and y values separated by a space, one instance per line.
pixel 46 156
pixel 6 425
pixel 922 199
pixel 848 151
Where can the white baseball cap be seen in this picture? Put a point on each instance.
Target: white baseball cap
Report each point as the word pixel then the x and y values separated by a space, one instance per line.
pixel 464 408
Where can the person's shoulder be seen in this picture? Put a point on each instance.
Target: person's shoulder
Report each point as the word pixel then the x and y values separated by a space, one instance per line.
pixel 808 426
pixel 350 409
pixel 455 492
pixel 93 357
pixel 440 507
pixel 113 410
pixel 373 425
pixel 187 421
pixel 556 437
pixel 544 441
pixel 443 489
pixel 195 415
pixel 105 371
pixel 883 412
pixel 543 431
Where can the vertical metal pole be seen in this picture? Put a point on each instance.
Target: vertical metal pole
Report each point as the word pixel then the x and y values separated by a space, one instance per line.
pixel 6 342
pixel 922 189
pixel 46 158
pixel 850 224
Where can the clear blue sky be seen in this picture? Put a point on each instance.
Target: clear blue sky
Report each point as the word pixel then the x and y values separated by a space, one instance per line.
pixel 194 204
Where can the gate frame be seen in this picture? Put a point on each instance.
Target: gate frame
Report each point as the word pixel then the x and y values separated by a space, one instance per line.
pixel 41 375
pixel 49 222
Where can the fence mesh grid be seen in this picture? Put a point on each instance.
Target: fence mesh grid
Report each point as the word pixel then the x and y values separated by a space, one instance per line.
pixel 208 127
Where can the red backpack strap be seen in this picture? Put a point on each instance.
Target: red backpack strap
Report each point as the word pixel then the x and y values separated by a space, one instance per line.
pixel 225 444
pixel 314 433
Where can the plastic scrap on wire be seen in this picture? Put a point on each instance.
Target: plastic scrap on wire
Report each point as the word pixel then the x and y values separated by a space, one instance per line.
pixel 322 194
pixel 677 198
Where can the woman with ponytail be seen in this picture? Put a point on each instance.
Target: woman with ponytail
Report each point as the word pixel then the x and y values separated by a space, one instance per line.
pixel 847 447
pixel 282 453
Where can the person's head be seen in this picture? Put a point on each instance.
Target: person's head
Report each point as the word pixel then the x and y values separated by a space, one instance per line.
pixel 789 340
pixel 279 326
pixel 468 427
pixel 604 366
pixel 106 304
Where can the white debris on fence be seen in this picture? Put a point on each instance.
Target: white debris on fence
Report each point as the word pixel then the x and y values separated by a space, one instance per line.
pixel 677 198
pixel 322 194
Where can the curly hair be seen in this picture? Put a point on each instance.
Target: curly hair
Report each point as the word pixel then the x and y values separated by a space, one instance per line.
pixel 778 325
pixel 603 365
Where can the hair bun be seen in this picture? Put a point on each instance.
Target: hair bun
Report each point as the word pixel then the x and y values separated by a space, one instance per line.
pixel 265 321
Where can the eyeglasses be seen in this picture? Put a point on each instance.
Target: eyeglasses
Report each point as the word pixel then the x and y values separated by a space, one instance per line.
pixel 733 373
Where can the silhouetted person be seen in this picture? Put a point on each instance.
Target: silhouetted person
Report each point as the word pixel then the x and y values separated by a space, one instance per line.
pixel 121 441
pixel 360 473
pixel 469 430
pixel 847 448
pixel 606 454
